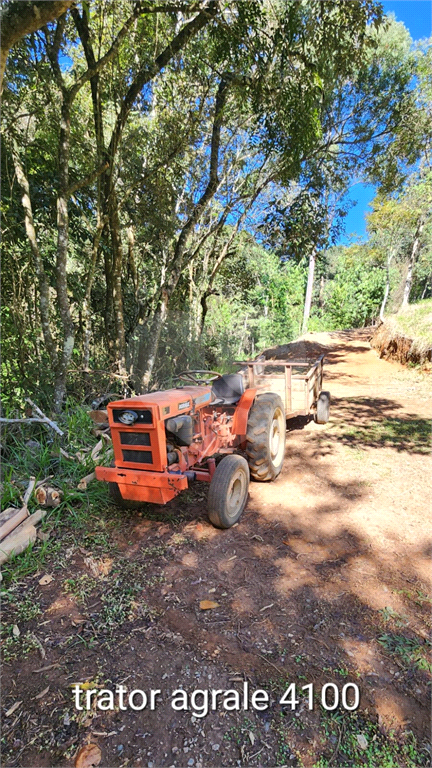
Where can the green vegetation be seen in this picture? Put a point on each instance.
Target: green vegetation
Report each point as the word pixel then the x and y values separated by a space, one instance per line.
pixel 388 750
pixel 415 322
pixel 176 204
pixel 409 651
pixel 411 435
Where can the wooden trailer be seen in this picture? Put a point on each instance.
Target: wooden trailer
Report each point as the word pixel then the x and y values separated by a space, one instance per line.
pixel 298 383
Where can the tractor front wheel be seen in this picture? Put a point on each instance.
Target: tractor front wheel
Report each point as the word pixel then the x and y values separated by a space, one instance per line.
pixel 265 437
pixel 119 501
pixel 228 491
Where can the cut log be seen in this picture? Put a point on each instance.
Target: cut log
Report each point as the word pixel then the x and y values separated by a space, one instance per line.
pixel 33 519
pixel 13 522
pixel 47 496
pixel 7 513
pixel 17 543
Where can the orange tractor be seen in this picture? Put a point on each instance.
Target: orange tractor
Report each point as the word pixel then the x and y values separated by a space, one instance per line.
pixel 164 440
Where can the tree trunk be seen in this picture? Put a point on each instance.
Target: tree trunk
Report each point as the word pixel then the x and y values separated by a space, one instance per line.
pixel 44 302
pixel 321 292
pixel 68 330
pixel 144 369
pixel 309 288
pixel 387 286
pixel 424 291
pixel 413 258
pixel 117 248
pixel 148 351
pixel 87 297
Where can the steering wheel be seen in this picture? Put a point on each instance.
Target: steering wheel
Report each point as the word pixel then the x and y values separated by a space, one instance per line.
pixel 198 377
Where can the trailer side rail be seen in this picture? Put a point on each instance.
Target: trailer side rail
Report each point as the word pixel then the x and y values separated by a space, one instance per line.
pixel 304 388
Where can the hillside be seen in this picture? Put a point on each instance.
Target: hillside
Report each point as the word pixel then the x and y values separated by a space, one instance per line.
pixel 406 336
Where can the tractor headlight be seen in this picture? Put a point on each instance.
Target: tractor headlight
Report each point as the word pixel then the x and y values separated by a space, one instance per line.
pixel 128 417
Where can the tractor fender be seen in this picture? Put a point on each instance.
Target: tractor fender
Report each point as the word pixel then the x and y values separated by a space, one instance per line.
pixel 241 413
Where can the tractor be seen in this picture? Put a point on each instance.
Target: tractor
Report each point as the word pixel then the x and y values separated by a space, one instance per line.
pixel 164 440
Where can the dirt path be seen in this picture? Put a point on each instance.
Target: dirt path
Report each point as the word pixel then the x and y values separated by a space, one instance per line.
pixel 326 579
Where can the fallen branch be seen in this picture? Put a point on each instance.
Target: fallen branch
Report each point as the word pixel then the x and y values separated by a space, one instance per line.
pixel 41 419
pixel 48 421
pixel 3 420
pixel 82 485
pixel 29 490
pixel 41 482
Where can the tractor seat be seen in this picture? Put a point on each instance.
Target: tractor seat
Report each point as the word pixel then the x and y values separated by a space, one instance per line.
pixel 228 389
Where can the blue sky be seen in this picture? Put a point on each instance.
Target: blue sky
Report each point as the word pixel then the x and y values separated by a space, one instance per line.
pixel 417 17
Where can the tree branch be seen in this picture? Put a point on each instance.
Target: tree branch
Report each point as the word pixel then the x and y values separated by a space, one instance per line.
pixel 87 180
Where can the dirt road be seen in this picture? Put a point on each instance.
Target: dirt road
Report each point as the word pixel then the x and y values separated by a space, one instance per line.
pixel 326 579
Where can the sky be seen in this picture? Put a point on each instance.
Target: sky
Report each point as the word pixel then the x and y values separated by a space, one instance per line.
pixel 417 17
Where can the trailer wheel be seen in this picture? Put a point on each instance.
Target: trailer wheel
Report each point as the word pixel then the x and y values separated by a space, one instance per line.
pixel 265 437
pixel 322 414
pixel 228 491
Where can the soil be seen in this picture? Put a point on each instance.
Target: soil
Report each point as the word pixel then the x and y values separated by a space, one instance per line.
pixel 395 346
pixel 325 562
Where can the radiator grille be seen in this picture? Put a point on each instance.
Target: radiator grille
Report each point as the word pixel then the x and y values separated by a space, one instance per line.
pixel 138 457
pixel 135 438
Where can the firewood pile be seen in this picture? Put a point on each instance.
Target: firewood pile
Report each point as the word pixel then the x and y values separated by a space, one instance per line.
pixel 17 525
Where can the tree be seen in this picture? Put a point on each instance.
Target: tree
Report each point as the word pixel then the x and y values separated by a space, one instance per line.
pixel 21 18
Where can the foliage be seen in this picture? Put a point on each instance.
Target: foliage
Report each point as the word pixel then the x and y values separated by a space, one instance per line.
pixel 166 174
pixel 353 288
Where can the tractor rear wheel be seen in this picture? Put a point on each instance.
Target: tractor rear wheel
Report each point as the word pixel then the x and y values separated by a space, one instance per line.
pixel 322 414
pixel 265 437
pixel 228 491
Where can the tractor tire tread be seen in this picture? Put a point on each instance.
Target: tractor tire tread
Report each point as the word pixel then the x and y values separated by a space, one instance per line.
pixel 257 437
pixel 219 486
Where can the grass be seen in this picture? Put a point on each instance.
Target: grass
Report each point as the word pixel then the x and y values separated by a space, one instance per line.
pixel 413 435
pixel 415 321
pixel 340 734
pixel 407 334
pixel 85 518
pixel 16 647
pixel 120 593
pixel 408 650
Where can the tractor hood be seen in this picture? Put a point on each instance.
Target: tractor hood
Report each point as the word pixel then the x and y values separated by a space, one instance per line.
pixel 163 405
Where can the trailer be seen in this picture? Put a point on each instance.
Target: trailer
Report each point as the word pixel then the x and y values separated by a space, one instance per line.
pixel 297 382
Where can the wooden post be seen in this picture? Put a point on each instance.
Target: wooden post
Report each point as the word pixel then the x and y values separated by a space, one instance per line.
pixel 288 390
pixel 251 375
